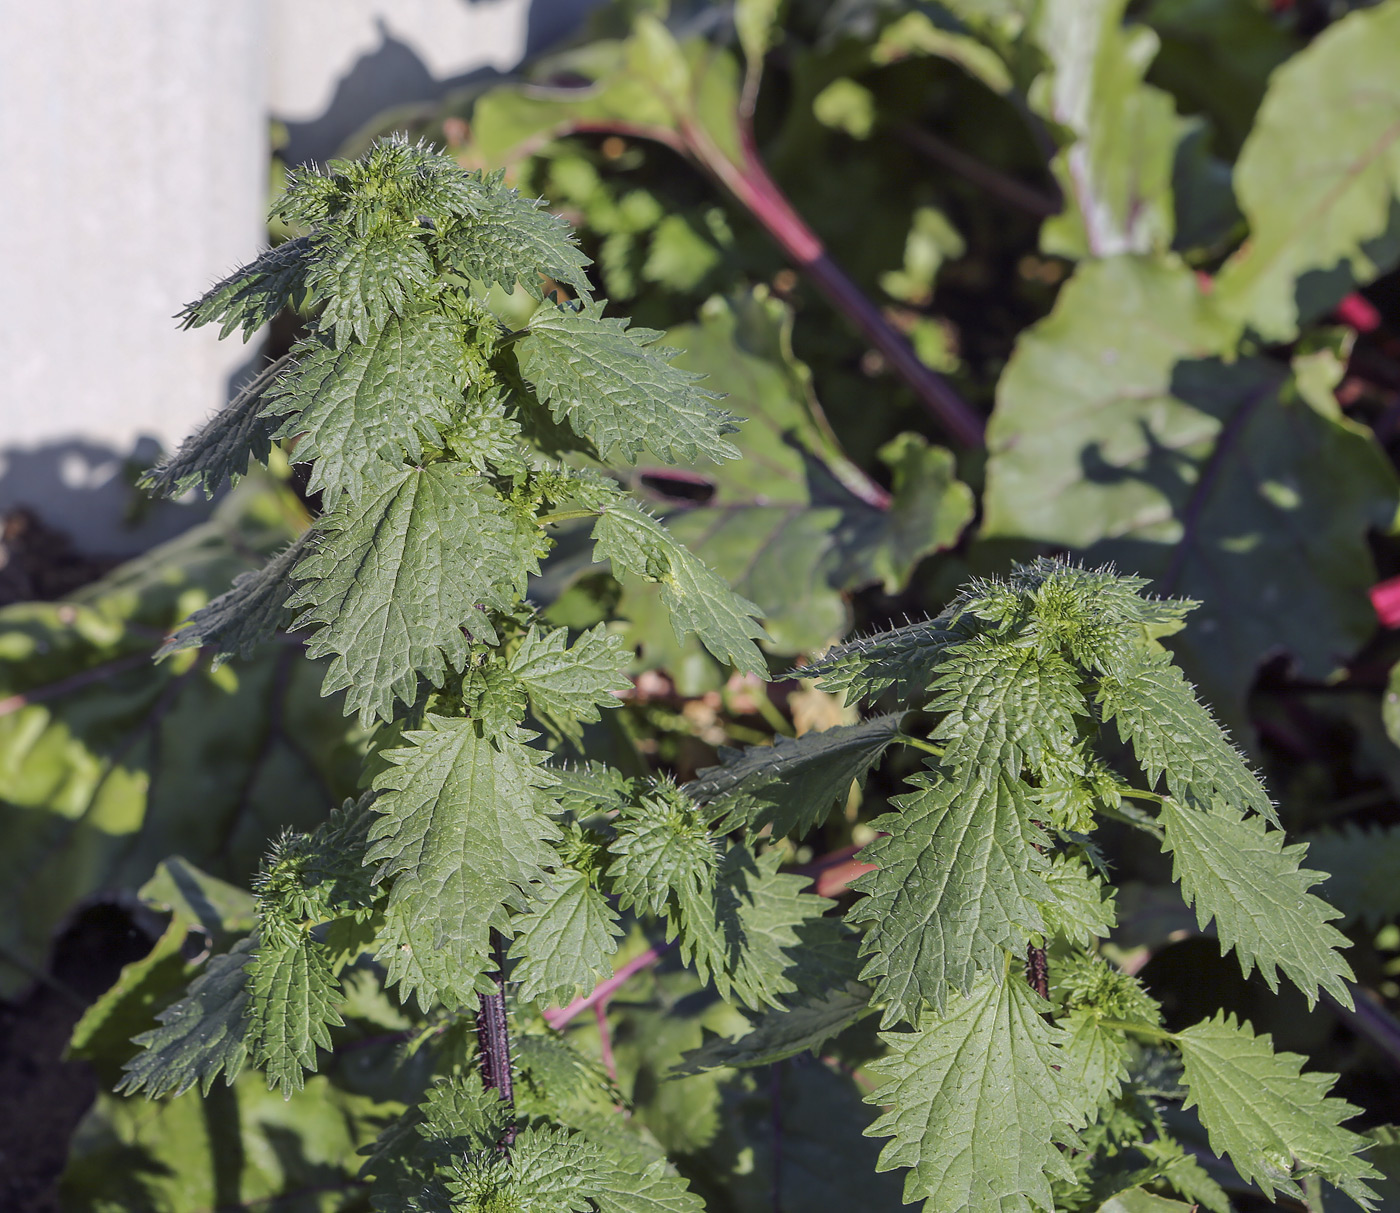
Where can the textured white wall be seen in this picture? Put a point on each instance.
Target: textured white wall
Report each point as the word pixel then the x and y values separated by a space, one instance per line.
pixel 134 144
pixel 134 137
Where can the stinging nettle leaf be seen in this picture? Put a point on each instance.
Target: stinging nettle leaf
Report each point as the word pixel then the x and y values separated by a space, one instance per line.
pixel 202 1035
pixel 241 618
pixel 462 836
pixel 393 580
pixel 802 1025
pixel 958 884
pixel 1276 1123
pixel 571 682
pixel 509 239
pixel 1174 735
pixel 221 448
pixel 978 1103
pixel 617 389
pixel 292 994
pixel 370 403
pixel 367 279
pixel 252 296
pixel 566 941
pixel 903 658
pixel 1239 872
pixel 698 600
pixel 794 784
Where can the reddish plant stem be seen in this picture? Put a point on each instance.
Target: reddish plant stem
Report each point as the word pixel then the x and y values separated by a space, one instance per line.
pixel 750 183
pixel 1037 970
pixel 605 989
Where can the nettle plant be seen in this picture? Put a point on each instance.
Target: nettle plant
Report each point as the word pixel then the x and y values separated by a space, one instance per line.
pixel 484 881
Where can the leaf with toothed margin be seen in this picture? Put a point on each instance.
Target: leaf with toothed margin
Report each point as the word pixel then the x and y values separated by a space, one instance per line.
pixel 393 579
pixel 241 618
pixel 566 941
pixel 794 784
pixel 252 296
pixel 903 658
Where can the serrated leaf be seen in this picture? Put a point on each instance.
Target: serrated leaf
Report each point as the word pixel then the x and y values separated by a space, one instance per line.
pixel 978 1103
pixel 1077 908
pixel 1275 1122
pixel 566 941
pixel 617 389
pixel 291 1007
pixel 698 600
pixel 369 403
pixel 655 1190
pixel 1174 736
pixel 663 850
pixel 367 279
pixel 802 1025
pixel 1005 707
pixel 570 683
pixel 794 784
pixel 957 885
pixel 903 658
pixel 223 446
pixel 395 578
pixel 592 788
pixel 510 240
pixel 245 616
pixel 1363 862
pixel 461 836
pixel 1237 871
pixel 1096 1057
pixel 202 1035
pixel 1318 177
pixel 756 937
pixel 252 296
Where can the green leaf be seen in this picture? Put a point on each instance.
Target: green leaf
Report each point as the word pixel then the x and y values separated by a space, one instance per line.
pixel 1006 707
pixel 756 21
pixel 1318 178
pixel 957 884
pixel 617 388
pixel 978 1103
pixel 509 240
pixel 292 994
pixel 1080 907
pixel 367 279
pixel 251 297
pixel 903 658
pixel 1140 1200
pixel 103 752
pixel 757 936
pixel 571 683
pixel 223 446
pixel 240 1148
pixel 245 616
pixel 794 784
pixel 803 1025
pixel 1275 1122
pixel 395 578
pixel 1363 861
pixel 462 835
pixel 360 409
pixel 1121 432
pixel 813 525
pixel 698 600
pixel 566 941
pixel 656 1190
pixel 1175 737
pixel 1238 871
pixel 1096 1057
pixel 1116 171
pixel 663 851
pixel 202 1035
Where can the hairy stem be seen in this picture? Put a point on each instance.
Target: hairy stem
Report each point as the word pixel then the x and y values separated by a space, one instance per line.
pixel 493 1038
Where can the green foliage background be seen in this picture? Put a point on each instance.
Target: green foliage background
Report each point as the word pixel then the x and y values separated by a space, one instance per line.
pixel 1135 281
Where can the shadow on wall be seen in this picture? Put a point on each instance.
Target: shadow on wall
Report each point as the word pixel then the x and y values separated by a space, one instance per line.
pixel 77 487
pixel 393 75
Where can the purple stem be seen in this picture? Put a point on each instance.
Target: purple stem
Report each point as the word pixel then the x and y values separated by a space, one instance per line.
pixel 1371 1021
